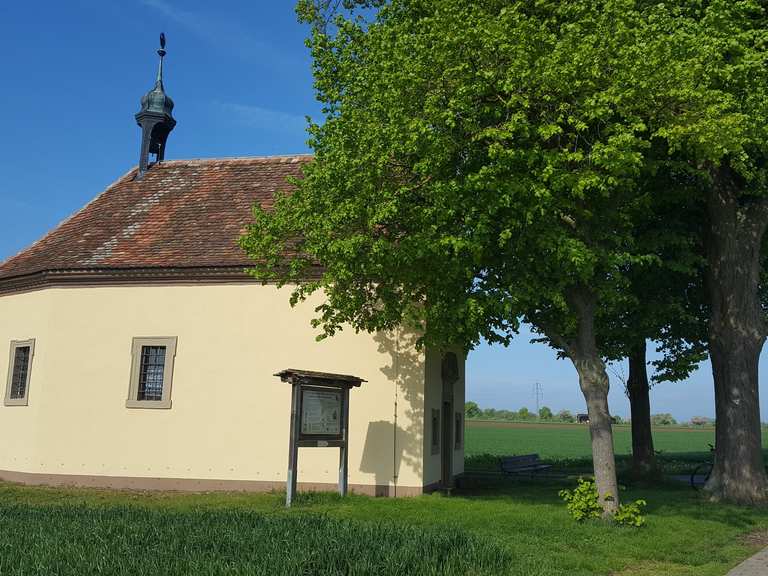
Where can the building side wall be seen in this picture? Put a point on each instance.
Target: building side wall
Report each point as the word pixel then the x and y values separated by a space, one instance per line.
pixel 229 421
pixel 433 401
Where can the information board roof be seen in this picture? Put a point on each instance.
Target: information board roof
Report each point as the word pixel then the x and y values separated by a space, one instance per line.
pixel 322 378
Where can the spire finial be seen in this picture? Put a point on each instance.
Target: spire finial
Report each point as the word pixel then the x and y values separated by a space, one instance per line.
pixel 155 118
pixel 161 53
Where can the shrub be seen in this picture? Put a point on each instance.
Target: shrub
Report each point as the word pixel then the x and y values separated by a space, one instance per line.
pixel 472 410
pixel 631 514
pixel 701 421
pixel 663 420
pixel 565 416
pixel 583 503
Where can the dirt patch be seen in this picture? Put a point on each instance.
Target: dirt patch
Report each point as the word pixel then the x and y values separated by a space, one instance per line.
pixel 651 568
pixel 757 538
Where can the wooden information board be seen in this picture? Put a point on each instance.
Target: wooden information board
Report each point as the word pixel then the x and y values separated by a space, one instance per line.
pixel 319 418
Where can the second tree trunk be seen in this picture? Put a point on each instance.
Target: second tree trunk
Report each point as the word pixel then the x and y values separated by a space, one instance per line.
pixel 638 390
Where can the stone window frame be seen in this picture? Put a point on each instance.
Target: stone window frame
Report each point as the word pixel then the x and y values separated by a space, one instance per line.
pixel 436 431
pixel 15 344
pixel 170 343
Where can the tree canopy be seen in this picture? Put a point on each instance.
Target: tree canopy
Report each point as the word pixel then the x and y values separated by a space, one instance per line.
pixel 471 168
pixel 480 164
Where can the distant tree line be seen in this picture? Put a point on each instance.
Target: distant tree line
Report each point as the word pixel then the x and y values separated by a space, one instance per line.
pixel 473 411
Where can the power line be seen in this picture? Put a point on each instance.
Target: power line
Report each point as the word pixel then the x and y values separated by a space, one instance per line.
pixel 538 392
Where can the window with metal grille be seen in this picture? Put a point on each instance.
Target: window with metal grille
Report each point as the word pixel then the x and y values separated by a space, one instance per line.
pixel 19 369
pixel 20 372
pixel 151 372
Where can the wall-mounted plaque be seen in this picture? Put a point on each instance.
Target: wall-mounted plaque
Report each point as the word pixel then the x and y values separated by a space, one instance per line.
pixel 321 412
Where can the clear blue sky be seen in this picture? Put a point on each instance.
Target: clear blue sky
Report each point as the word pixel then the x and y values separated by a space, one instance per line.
pixel 241 79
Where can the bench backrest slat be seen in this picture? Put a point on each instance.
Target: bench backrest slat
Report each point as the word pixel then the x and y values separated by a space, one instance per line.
pixel 519 461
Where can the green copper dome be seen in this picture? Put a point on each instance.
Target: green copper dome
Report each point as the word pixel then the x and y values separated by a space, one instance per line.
pixel 156 100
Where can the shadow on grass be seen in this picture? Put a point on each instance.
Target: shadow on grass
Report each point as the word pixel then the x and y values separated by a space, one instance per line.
pixel 664 497
pixel 695 506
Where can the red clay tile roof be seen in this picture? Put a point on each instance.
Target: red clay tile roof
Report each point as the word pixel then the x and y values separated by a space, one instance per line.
pixel 182 214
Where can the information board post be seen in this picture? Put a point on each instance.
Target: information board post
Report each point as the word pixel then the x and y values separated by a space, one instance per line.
pixel 343 454
pixel 319 418
pixel 293 448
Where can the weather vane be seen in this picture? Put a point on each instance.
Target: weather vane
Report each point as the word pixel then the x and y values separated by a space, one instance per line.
pixel 161 52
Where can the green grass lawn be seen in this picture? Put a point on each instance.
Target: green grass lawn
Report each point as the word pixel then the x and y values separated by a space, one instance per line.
pixel 513 528
pixel 508 527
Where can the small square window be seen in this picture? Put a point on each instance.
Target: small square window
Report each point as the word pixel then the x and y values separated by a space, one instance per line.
pixel 458 430
pixel 435 431
pixel 19 372
pixel 151 373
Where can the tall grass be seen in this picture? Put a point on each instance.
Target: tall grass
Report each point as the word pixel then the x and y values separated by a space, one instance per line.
pixel 123 540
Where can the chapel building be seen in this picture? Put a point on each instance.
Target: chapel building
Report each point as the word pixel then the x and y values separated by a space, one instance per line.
pixel 141 355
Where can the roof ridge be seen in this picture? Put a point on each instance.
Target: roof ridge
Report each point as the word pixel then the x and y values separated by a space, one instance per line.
pixel 234 159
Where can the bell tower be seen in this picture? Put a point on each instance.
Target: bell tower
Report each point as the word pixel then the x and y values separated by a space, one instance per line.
pixel 155 118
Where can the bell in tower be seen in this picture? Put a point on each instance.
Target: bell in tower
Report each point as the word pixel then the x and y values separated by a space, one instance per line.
pixel 155 118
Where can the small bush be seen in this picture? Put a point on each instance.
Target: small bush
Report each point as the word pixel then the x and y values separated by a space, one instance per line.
pixel 631 514
pixel 583 503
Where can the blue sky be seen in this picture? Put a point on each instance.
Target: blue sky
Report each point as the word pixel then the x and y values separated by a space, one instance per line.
pixel 241 79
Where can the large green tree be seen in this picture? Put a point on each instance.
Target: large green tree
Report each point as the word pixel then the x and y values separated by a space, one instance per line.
pixel 477 167
pixel 711 111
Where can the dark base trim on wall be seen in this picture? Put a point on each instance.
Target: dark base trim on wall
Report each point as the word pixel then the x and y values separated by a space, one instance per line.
pixel 197 485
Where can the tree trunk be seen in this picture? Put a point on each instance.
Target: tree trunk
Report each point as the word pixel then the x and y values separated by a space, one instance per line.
pixel 736 336
pixel 638 390
pixel 594 383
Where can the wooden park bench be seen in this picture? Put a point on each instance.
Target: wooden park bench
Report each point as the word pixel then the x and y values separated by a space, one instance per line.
pixel 525 464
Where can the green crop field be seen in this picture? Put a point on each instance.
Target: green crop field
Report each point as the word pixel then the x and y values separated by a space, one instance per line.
pixel 557 441
pixel 678 447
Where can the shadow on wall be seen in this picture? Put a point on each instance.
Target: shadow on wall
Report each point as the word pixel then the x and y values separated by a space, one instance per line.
pixel 405 444
pixel 376 455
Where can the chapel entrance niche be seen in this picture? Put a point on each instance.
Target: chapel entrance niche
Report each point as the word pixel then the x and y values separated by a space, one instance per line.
pixel 450 375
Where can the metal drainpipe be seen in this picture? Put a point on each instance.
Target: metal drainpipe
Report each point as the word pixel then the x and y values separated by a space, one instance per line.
pixel 394 428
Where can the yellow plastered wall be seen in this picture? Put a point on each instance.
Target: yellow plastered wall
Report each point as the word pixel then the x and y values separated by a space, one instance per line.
pixel 230 416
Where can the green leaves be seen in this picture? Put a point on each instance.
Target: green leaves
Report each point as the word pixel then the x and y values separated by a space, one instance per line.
pixel 583 503
pixel 478 160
